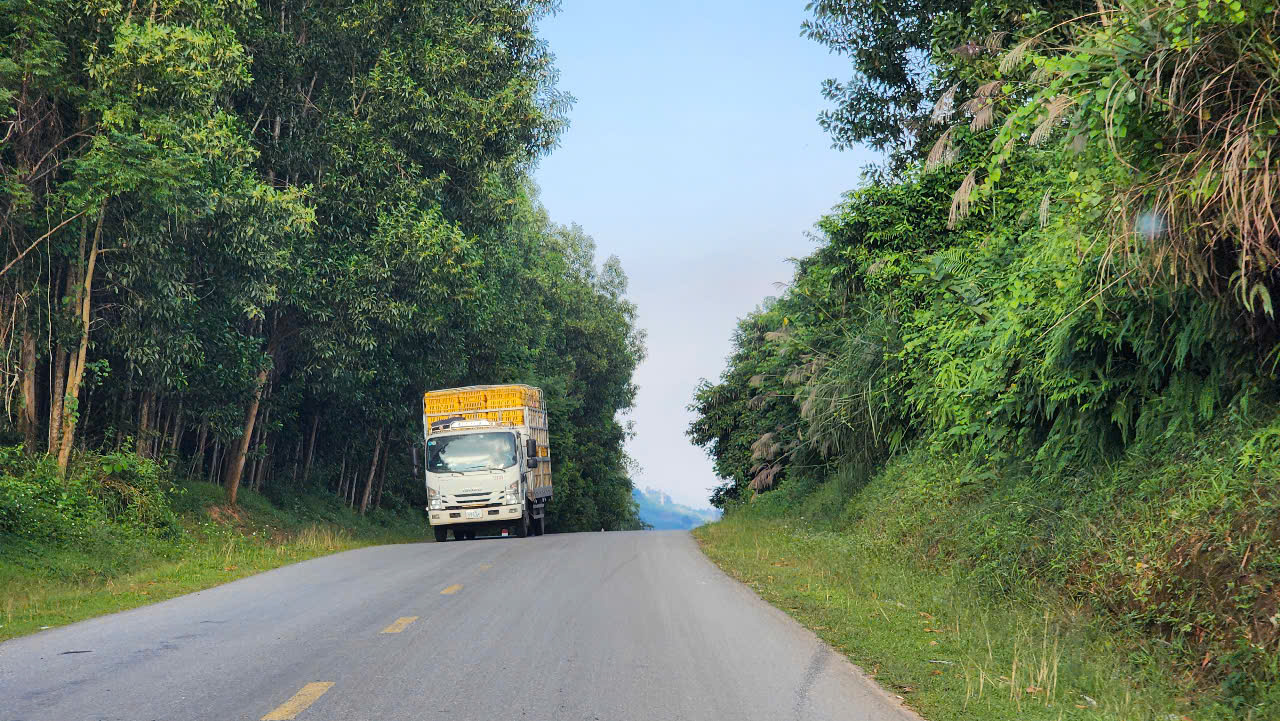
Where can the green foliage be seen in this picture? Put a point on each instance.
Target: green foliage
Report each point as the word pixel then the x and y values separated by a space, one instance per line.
pixel 883 41
pixel 1054 360
pixel 36 504
pixel 118 490
pixel 1169 111
pixel 96 556
pixel 904 54
pixel 296 218
pixel 931 633
pixel 1165 543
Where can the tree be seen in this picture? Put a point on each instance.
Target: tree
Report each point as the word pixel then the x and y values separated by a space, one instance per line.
pixel 273 225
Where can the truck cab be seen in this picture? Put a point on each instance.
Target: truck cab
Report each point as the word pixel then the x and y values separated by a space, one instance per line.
pixel 477 479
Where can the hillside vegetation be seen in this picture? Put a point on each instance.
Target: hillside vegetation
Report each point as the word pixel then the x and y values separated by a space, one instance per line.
pixel 658 511
pixel 1037 348
pixel 119 532
pixel 242 238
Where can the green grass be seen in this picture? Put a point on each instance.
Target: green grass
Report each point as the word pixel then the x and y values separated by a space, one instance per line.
pixel 112 568
pixel 1147 584
pixel 930 636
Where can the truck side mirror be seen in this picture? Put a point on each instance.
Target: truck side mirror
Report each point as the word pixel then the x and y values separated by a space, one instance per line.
pixel 531 462
pixel 531 449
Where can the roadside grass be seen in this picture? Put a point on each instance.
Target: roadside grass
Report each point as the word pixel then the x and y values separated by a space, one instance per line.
pixel 928 634
pixel 114 568
pixel 1139 586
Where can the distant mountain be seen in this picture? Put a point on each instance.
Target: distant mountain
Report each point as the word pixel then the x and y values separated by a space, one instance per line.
pixel 658 510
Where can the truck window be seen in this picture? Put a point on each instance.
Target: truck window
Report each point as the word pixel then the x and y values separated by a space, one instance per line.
pixel 471 452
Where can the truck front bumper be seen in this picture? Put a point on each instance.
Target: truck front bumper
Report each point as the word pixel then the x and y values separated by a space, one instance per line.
pixel 490 514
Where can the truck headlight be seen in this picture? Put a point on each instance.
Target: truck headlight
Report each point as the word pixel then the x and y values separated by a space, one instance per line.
pixel 435 504
pixel 510 499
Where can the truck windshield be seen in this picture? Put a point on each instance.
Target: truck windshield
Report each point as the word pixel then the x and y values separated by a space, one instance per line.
pixel 471 452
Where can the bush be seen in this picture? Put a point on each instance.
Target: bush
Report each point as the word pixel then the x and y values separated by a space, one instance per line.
pixel 1175 541
pixel 121 490
pixel 36 504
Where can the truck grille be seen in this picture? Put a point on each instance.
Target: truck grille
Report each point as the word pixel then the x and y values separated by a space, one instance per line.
pixel 472 499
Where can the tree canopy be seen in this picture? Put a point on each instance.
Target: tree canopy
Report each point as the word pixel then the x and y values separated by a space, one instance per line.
pixel 251 234
pixel 1073 255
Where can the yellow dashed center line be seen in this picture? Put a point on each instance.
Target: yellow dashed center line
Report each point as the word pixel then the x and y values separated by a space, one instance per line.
pixel 400 624
pixel 300 701
pixel 451 590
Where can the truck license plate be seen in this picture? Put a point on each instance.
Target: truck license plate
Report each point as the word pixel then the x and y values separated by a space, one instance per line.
pixel 473 514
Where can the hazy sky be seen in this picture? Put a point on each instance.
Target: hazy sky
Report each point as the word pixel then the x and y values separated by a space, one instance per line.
pixel 695 156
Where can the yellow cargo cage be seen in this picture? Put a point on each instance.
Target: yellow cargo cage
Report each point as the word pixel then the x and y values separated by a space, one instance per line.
pixel 480 398
pixel 499 404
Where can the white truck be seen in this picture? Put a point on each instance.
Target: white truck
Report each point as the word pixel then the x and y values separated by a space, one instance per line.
pixel 488 461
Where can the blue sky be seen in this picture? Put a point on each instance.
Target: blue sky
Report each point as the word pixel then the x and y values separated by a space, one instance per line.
pixel 695 156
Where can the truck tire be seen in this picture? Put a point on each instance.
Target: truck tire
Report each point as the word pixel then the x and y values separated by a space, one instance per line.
pixel 442 534
pixel 522 530
pixel 459 533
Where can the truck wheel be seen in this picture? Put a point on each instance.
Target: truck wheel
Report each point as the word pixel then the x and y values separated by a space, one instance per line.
pixel 539 526
pixel 459 534
pixel 442 534
pixel 522 530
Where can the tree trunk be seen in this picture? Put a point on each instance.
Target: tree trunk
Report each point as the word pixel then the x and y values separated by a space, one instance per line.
pixel 252 463
pixel 177 430
pixel 144 422
pixel 264 438
pixel 58 386
pixel 342 478
pixel 311 448
pixel 164 423
pixel 213 462
pixel 75 376
pixel 373 467
pixel 30 423
pixel 159 426
pixel 156 436
pixel 267 462
pixel 236 467
pixel 413 453
pixel 382 475
pixel 55 399
pixel 297 458
pixel 198 456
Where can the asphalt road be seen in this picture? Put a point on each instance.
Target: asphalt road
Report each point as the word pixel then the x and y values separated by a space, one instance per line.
pixel 609 626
